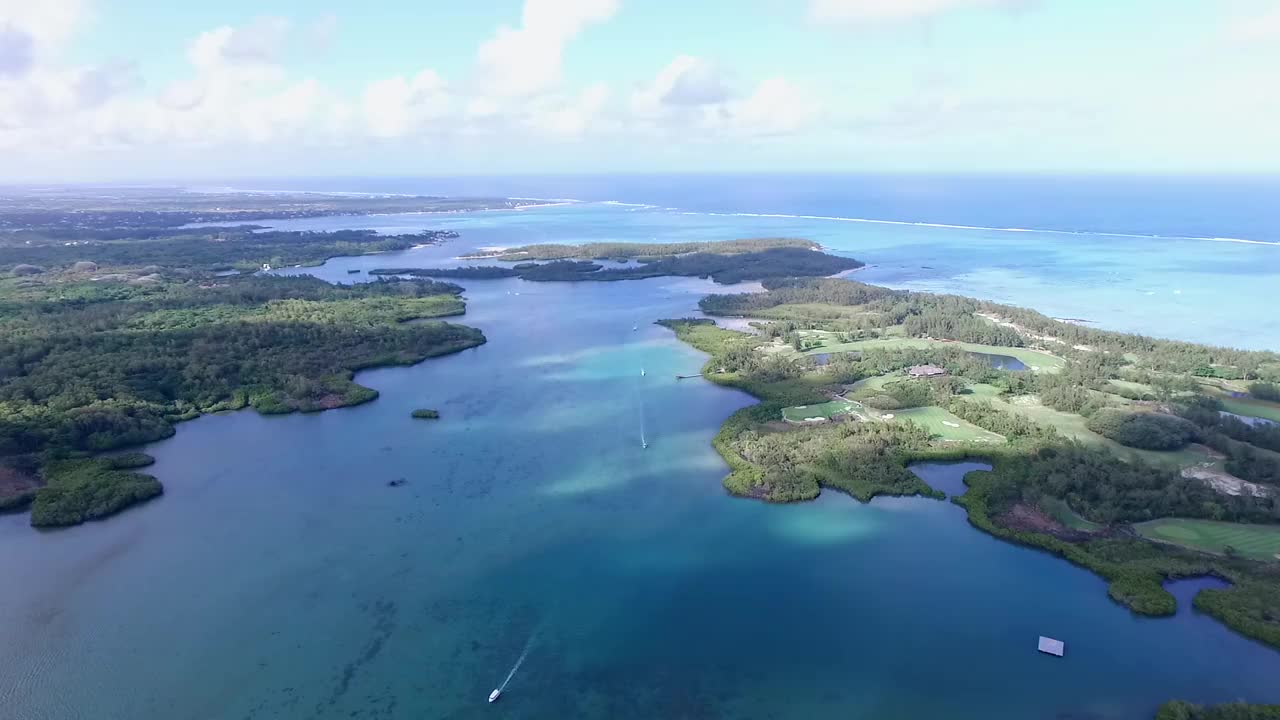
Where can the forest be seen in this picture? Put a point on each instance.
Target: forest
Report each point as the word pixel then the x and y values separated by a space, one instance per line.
pixel 99 353
pixel 210 249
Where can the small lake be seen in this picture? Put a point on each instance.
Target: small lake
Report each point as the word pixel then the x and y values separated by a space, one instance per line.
pixel 281 577
pixel 947 476
pixel 1249 419
pixel 1001 362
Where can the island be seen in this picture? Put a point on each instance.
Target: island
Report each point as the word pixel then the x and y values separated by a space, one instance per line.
pixel 725 262
pixel 425 414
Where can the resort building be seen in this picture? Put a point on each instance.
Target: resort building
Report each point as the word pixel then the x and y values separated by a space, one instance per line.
pixel 926 371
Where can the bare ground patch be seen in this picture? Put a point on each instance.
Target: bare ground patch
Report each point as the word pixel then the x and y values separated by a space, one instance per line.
pixel 1224 482
pixel 1026 518
pixel 15 484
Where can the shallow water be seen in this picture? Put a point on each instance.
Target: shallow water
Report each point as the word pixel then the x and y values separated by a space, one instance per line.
pixel 280 576
pixel 1196 289
pixel 947 476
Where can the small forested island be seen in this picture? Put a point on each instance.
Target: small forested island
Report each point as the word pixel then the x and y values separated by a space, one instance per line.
pixel 1140 459
pixel 111 336
pixel 426 414
pixel 726 262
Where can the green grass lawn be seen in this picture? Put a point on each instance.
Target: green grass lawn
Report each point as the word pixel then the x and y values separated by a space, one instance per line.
pixel 867 387
pixel 1063 513
pixel 982 391
pixel 812 311
pixel 1073 426
pixel 1033 359
pixel 1251 407
pixel 935 420
pixel 825 410
pixel 1260 542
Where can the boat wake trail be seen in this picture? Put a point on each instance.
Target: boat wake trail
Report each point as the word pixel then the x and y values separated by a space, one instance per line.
pixel 520 661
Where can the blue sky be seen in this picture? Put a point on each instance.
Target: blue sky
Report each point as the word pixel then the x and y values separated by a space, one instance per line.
pixel 137 89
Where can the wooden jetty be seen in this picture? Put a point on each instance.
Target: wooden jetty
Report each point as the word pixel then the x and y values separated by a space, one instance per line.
pixel 1049 646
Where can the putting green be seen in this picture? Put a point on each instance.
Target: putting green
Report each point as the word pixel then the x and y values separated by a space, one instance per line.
pixel 945 425
pixel 823 411
pixel 1033 359
pixel 1260 542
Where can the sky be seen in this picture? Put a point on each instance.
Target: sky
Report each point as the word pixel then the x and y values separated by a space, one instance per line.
pixel 140 89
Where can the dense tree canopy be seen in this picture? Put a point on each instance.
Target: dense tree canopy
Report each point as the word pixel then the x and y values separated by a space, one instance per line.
pixel 1146 430
pixel 91 365
pixel 722 267
pixel 208 249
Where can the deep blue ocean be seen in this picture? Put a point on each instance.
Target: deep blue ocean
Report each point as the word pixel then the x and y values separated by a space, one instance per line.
pixel 1212 207
pixel 280 576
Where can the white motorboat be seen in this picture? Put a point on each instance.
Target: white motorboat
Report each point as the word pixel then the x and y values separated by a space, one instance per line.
pixel 641 372
pixel 493 696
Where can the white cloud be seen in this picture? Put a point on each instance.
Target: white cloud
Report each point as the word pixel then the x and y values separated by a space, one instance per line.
pixel 686 81
pixel 692 95
pixel 776 107
pixel 1255 28
pixel 95 85
pixel 872 12
pixel 398 106
pixel 239 91
pixel 260 42
pixel 524 61
pixel 48 23
pixel 17 51
pixel 573 118
pixel 37 88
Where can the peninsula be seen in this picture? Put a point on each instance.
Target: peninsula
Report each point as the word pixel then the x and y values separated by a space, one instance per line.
pixel 111 335
pixel 1142 460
